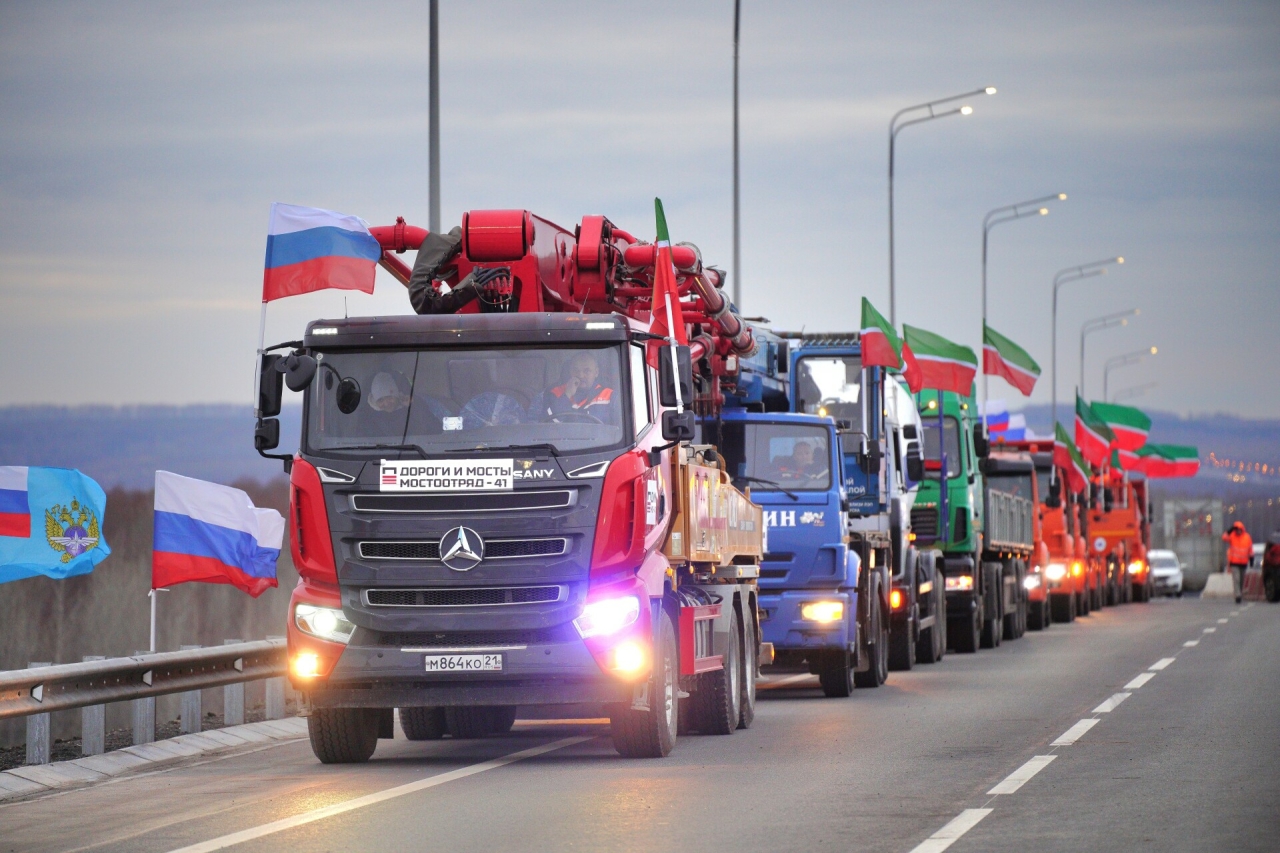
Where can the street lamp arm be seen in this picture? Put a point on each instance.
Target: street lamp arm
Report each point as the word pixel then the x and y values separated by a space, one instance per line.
pixel 989 223
pixel 1015 207
pixel 929 105
pixel 923 119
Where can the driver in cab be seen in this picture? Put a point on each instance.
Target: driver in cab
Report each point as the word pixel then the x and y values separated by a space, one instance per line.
pixel 582 392
pixel 799 465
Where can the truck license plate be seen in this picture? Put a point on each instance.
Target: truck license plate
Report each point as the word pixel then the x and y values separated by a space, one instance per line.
pixel 464 663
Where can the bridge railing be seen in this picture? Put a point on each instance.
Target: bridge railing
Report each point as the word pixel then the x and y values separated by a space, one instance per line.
pixel 37 691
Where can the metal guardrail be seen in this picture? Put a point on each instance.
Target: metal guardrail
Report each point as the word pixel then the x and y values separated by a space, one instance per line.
pixel 79 685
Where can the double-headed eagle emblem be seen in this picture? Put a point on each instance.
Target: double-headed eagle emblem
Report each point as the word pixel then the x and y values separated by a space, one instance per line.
pixel 72 530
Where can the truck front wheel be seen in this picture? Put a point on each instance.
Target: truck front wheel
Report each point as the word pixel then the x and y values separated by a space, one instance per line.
pixel 343 735
pixel 750 669
pixel 836 676
pixel 717 703
pixel 652 733
pixel 966 630
pixel 878 645
pixel 423 723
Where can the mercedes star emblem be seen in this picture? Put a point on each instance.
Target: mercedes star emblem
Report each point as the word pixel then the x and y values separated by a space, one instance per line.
pixel 461 549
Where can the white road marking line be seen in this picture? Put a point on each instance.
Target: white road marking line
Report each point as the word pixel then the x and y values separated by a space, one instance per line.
pixel 1223 621
pixel 250 834
pixel 1247 606
pixel 1191 643
pixel 1160 664
pixel 1074 733
pixel 1023 774
pixel 1112 703
pixel 1210 630
pixel 1140 680
pixel 945 837
pixel 1234 613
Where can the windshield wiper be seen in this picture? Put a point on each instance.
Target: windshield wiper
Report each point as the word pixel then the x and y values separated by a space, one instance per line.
pixel 507 448
pixel 412 447
pixel 777 486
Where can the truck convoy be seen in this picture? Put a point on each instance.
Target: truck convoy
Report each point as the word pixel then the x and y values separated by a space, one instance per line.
pixel 501 506
pixel 976 508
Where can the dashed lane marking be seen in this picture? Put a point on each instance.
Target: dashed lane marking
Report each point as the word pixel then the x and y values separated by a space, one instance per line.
pixel 948 835
pixel 1112 703
pixel 1191 643
pixel 1140 680
pixel 1160 664
pixel 225 841
pixel 1023 774
pixel 1074 733
pixel 1234 613
pixel 1210 630
pixel 1223 621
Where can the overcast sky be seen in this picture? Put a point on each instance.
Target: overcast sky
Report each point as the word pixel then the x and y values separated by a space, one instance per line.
pixel 142 145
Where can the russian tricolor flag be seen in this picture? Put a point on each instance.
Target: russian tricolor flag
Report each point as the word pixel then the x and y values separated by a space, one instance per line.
pixel 213 534
pixel 15 510
pixel 311 249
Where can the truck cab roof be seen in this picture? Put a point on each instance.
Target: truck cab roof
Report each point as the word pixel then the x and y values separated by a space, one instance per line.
pixel 412 330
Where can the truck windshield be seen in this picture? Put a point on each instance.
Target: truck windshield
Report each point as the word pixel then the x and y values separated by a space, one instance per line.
pixel 768 456
pixel 454 399
pixel 1018 485
pixel 931 452
pixel 831 386
pixel 1042 482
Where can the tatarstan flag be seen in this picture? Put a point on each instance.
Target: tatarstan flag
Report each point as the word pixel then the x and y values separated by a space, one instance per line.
pixel 667 319
pixel 1093 436
pixel 881 346
pixel 1067 457
pixel 943 365
pixel 1129 425
pixel 1168 460
pixel 1002 357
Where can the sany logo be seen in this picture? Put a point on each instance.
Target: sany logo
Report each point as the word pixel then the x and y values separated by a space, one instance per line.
pixel 780 518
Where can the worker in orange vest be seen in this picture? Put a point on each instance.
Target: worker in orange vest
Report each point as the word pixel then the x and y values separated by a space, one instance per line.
pixel 1239 552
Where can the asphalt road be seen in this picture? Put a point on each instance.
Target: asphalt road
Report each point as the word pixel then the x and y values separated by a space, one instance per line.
pixel 1185 761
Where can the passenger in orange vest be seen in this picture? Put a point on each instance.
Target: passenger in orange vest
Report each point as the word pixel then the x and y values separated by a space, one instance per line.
pixel 1239 551
pixel 582 393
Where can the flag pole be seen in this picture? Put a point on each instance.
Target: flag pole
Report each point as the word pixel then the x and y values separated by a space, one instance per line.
pixel 257 367
pixel 152 595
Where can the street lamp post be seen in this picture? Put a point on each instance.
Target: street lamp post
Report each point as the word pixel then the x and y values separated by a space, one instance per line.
pixel 894 129
pixel 1122 361
pixel 1097 324
pixel 1065 276
pixel 1000 215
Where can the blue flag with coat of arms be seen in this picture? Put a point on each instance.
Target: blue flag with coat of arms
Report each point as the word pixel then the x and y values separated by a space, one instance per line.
pixel 50 523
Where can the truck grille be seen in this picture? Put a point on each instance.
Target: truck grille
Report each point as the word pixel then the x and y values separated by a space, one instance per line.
pixel 497 502
pixel 924 522
pixel 495 549
pixel 446 597
pixel 472 639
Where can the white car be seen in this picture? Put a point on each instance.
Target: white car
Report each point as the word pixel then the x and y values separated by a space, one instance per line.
pixel 1166 572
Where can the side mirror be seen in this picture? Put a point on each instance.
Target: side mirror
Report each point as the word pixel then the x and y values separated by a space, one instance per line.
pixel 298 370
pixel 915 462
pixel 669 372
pixel 871 459
pixel 1093 496
pixel 348 397
pixel 784 357
pixel 1054 500
pixel 678 426
pixel 981 444
pixel 270 387
pixel 266 435
pixel 1108 500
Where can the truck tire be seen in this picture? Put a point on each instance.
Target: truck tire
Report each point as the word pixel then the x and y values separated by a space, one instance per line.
pixel 750 668
pixel 652 733
pixel 1038 615
pixel 965 633
pixel 343 735
pixel 477 721
pixel 1082 602
pixel 423 723
pixel 902 645
pixel 717 703
pixel 1270 585
pixel 1140 593
pixel 1062 607
pixel 878 644
pixel 836 676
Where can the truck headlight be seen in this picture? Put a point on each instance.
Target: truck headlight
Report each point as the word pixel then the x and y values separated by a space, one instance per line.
pixel 959 583
pixel 1135 568
pixel 607 616
pixel 1055 571
pixel 327 623
pixel 822 611
pixel 1031 582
